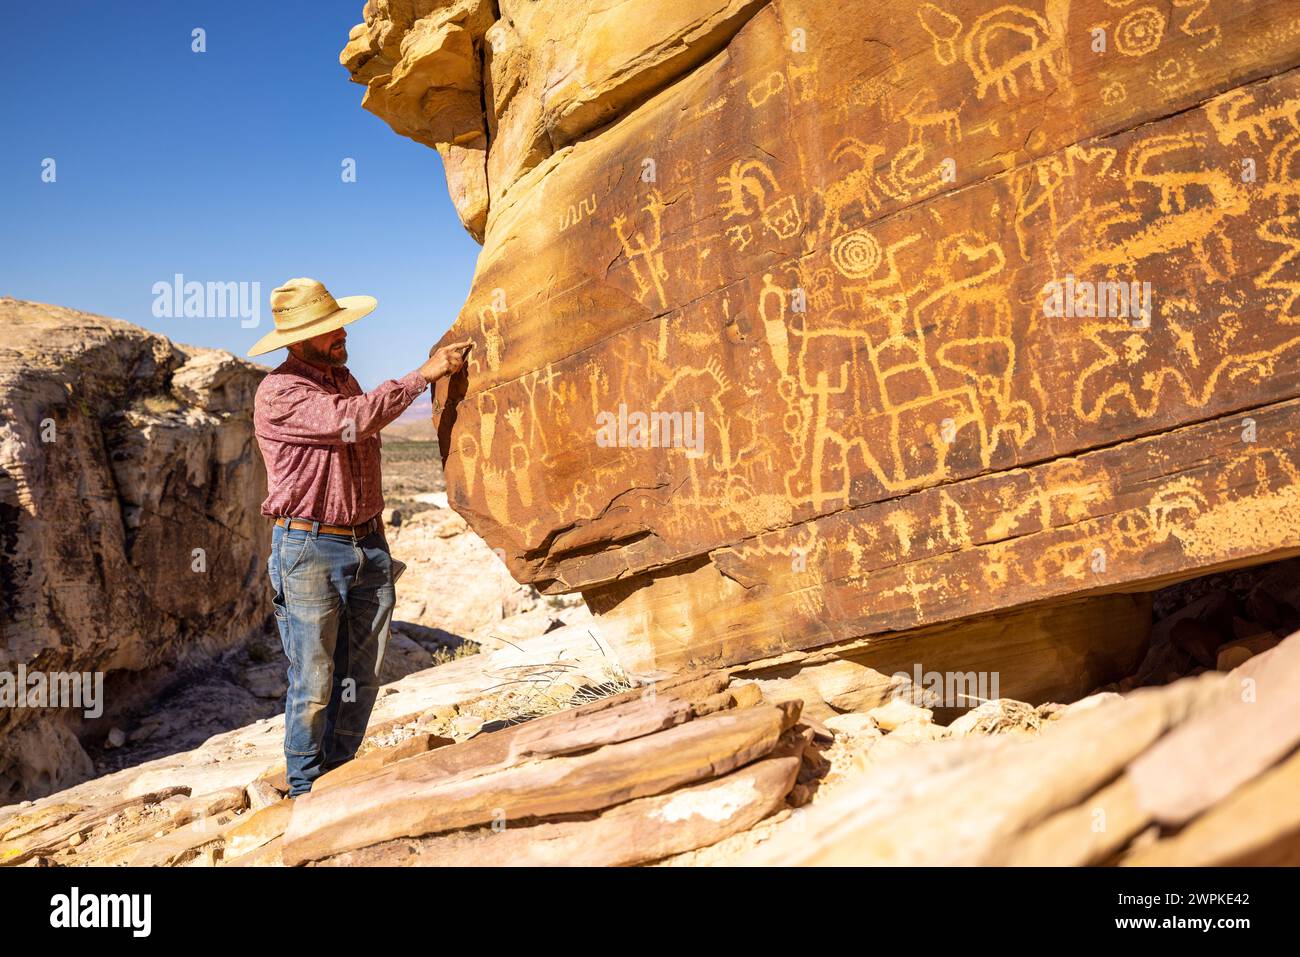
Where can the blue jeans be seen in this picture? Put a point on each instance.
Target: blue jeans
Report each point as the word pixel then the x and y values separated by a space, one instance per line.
pixel 333 597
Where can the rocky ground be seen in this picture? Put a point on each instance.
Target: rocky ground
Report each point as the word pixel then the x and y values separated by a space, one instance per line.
pixel 719 769
pixel 454 600
pixel 492 690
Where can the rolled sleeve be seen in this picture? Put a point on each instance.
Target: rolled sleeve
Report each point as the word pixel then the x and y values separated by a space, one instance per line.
pixel 305 413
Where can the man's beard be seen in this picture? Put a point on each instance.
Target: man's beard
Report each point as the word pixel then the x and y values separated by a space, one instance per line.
pixel 325 357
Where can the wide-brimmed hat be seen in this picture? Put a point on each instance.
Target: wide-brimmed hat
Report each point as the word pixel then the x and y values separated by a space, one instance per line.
pixel 303 308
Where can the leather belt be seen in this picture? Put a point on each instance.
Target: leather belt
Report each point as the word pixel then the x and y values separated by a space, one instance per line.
pixel 355 531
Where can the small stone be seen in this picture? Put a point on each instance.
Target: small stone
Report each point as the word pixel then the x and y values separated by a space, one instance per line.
pixel 899 712
pixel 143 733
pixel 466 725
pixel 853 724
pixel 800 795
pixel 116 738
pixel 1232 657
pixel 261 794
pixel 76 840
pixel 208 805
pixel 1236 653
pixel 1000 716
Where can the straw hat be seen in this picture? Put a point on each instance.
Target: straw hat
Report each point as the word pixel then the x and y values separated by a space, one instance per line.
pixel 303 308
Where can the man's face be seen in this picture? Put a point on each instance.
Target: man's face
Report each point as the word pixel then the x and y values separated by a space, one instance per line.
pixel 327 349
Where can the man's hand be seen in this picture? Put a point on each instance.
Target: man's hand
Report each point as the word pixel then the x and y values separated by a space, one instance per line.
pixel 445 361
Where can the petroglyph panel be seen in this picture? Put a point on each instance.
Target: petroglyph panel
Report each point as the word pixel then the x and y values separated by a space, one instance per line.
pixel 908 263
pixel 1210 496
pixel 921 352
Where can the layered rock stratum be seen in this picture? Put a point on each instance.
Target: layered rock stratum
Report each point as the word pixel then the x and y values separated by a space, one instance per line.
pixel 836 240
pixel 131 543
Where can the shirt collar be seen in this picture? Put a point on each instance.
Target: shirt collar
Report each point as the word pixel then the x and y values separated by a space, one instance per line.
pixel 330 375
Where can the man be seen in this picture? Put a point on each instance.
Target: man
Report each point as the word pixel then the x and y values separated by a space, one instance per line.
pixel 331 573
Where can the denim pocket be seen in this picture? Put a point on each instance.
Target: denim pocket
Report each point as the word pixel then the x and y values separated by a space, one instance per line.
pixel 292 550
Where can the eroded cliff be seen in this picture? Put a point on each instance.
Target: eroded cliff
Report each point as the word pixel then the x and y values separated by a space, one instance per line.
pixel 131 543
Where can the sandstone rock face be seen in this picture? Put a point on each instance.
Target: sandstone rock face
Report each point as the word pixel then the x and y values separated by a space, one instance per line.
pixel 453 582
pixel 129 497
pixel 772 345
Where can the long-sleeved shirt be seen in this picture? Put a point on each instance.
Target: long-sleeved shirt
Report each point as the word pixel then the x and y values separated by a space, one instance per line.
pixel 319 436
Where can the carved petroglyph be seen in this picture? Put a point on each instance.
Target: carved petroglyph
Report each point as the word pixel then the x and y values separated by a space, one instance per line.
pixel 749 189
pixel 575 213
pixel 1140 31
pixel 866 341
pixel 1039 51
pixel 943 28
pixel 643 249
pixel 1210 32
pixel 859 190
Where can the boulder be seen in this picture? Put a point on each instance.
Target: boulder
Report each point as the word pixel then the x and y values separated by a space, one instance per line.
pixel 897 713
pixel 130 489
pixel 786 335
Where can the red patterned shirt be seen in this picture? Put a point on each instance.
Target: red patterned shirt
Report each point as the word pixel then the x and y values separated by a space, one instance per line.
pixel 319 436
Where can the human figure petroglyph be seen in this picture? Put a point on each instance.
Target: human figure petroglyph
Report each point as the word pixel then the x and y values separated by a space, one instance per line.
pixel 1035 192
pixel 642 249
pixel 467 460
pixel 772 313
pixel 493 341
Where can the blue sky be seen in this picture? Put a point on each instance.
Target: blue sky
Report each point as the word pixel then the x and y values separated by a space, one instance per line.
pixel 223 166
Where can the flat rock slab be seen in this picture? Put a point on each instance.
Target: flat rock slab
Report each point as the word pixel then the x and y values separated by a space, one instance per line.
pixel 411 798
